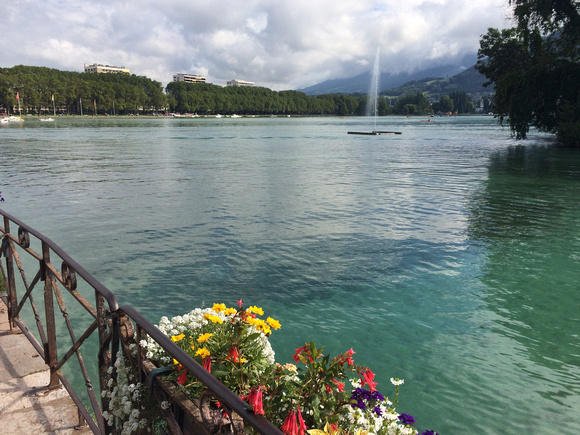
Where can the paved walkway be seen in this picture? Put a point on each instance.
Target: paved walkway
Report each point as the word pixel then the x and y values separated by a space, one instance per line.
pixel 26 407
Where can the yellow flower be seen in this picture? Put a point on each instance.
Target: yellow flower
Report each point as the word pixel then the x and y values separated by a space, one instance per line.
pixel 204 337
pixel 253 321
pixel 273 323
pixel 242 360
pixel 175 361
pixel 332 430
pixel 212 318
pixel 203 352
pixel 230 311
pixel 256 310
pixel 264 328
pixel 176 338
pixel 218 308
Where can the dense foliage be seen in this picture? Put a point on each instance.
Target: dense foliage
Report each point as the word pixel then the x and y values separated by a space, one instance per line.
pixel 204 98
pixel 116 94
pixel 75 92
pixel 535 68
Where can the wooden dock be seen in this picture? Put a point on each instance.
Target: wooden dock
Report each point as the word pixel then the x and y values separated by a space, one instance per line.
pixel 26 406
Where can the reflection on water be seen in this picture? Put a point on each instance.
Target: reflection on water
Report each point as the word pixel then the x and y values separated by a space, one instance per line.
pixel 527 216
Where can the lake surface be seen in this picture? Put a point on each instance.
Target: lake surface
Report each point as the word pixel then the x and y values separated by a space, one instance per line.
pixel 447 256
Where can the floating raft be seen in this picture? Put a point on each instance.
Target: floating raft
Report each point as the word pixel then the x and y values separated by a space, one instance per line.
pixel 374 132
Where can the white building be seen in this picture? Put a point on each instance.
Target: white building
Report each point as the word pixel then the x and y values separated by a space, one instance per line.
pixel 240 83
pixel 97 68
pixel 189 78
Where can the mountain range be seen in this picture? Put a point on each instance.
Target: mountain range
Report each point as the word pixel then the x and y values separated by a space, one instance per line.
pixel 433 81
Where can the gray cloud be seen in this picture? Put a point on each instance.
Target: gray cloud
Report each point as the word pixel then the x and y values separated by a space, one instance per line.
pixel 278 44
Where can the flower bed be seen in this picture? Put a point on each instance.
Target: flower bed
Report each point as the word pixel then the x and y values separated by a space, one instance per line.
pixel 317 393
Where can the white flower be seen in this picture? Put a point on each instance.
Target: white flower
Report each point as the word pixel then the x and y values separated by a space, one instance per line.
pixel 397 381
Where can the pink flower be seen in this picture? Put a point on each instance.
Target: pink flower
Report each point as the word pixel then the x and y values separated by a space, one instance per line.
pixel 367 378
pixel 240 303
pixel 255 399
pixel 290 427
pixel 301 421
pixel 339 385
pixel 349 359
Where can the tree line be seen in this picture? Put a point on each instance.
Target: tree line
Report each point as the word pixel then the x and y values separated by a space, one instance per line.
pixel 35 89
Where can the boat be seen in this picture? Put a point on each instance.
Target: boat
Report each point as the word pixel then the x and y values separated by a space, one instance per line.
pixel 47 119
pixel 235 116
pixel 218 116
pixel 12 119
pixel 374 132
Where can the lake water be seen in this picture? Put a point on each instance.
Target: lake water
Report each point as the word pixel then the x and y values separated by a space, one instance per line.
pixel 447 256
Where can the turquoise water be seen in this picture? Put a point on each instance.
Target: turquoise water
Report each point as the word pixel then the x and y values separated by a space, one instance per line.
pixel 447 256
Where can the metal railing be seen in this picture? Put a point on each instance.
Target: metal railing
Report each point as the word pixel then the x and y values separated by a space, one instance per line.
pixel 117 329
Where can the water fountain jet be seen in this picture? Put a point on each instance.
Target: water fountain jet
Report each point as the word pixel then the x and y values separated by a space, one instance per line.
pixel 372 100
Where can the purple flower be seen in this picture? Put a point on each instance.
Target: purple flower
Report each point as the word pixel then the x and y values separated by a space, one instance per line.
pixel 377 410
pixel 406 419
pixel 360 398
pixel 378 396
pixel 429 432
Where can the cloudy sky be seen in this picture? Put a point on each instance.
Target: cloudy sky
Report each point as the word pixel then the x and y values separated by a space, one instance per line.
pixel 280 44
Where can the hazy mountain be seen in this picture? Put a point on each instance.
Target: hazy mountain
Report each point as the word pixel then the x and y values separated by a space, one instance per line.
pixel 360 83
pixel 469 81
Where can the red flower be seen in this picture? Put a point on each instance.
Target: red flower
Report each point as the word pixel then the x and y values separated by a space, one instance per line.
pixel 328 389
pixel 339 385
pixel 367 378
pixel 255 399
pixel 182 378
pixel 305 351
pixel 207 364
pixel 233 355
pixel 299 352
pixel 349 359
pixel 290 427
pixel 240 303
pixel 301 421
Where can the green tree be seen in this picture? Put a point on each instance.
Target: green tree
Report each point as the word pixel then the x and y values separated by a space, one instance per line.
pixel 535 68
pixel 461 102
pixel 413 104
pixel 445 104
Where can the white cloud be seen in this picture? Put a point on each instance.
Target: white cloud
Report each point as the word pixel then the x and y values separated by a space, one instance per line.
pixel 278 44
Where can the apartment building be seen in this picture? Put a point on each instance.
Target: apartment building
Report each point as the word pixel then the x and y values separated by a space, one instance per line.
pixel 239 83
pixel 98 68
pixel 189 78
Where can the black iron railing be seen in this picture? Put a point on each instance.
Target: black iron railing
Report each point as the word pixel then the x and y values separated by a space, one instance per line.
pixel 117 329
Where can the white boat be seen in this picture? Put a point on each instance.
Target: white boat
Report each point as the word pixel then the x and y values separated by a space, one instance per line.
pixel 235 116
pixel 218 116
pixel 47 119
pixel 12 119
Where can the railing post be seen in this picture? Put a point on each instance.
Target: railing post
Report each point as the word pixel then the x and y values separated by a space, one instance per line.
pixel 10 280
pixel 50 351
pixel 104 357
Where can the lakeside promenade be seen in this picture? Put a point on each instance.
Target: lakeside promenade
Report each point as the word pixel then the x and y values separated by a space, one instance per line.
pixel 26 406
